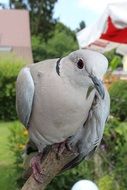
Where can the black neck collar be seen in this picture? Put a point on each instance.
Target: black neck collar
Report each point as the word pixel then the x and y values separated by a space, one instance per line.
pixel 58 66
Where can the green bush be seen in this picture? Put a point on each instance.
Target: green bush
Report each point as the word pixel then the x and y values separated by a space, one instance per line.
pixel 113 151
pixel 115 60
pixel 118 94
pixel 17 140
pixel 107 183
pixel 9 69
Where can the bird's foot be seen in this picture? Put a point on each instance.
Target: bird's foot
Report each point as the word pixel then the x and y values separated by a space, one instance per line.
pixel 60 147
pixel 35 164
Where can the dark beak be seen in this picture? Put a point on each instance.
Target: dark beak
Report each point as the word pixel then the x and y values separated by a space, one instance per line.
pixel 98 85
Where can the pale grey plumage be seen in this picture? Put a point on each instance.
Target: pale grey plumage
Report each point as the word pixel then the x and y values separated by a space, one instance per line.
pixel 24 95
pixel 58 104
pixel 88 138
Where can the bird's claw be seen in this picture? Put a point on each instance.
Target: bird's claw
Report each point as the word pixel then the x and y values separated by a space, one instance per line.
pixel 35 164
pixel 60 147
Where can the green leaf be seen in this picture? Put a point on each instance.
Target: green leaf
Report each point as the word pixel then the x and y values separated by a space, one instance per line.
pixel 89 91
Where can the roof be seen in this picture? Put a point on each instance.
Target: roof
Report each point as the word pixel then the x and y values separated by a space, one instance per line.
pixel 15 31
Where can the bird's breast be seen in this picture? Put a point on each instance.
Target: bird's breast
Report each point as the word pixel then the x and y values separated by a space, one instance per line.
pixel 58 109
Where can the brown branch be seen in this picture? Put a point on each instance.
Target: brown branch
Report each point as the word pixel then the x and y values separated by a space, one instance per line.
pixel 51 166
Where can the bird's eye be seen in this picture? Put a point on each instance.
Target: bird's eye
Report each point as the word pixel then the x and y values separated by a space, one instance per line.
pixel 80 64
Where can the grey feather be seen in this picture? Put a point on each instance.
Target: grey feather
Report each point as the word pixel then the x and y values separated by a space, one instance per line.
pixel 89 136
pixel 24 95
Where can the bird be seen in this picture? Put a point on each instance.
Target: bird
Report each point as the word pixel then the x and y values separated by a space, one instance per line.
pixel 64 100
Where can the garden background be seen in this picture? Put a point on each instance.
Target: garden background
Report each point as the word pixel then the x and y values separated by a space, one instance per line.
pixel 51 39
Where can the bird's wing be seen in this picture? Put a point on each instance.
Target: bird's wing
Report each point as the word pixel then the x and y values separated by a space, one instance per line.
pixel 24 95
pixel 90 135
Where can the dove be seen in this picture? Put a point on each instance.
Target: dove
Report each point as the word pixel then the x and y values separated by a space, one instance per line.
pixel 61 99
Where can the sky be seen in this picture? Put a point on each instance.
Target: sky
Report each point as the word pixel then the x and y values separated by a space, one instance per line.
pixel 72 12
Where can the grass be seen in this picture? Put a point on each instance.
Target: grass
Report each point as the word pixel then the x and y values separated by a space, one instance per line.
pixel 7 173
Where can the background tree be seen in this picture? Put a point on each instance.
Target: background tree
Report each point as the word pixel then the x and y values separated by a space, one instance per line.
pixel 41 15
pixel 17 4
pixel 82 25
pixel 2 5
pixel 62 42
pixel 50 38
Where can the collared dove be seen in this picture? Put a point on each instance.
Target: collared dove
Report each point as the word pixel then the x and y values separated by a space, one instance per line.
pixel 60 99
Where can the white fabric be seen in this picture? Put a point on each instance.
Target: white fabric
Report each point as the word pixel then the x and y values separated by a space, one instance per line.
pixel 84 185
pixel 118 14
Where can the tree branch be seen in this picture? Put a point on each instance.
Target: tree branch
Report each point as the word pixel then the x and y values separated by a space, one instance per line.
pixel 51 166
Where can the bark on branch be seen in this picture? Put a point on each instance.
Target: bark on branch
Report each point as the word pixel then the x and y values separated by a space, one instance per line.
pixel 51 166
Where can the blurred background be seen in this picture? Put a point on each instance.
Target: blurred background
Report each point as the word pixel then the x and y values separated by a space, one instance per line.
pixel 34 30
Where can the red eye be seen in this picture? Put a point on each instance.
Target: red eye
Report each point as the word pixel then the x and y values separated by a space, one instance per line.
pixel 80 64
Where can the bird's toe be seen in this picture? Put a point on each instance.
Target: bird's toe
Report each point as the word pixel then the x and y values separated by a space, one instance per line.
pixel 35 164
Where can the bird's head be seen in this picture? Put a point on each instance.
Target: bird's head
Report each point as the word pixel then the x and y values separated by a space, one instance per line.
pixel 84 68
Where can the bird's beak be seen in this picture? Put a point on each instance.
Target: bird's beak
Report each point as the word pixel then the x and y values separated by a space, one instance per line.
pixel 98 85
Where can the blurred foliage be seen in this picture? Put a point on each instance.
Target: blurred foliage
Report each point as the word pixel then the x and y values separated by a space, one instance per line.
pixel 9 69
pixel 112 151
pixel 118 94
pixel 60 44
pixel 107 167
pixel 107 183
pixel 115 60
pixel 7 172
pixel 17 139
